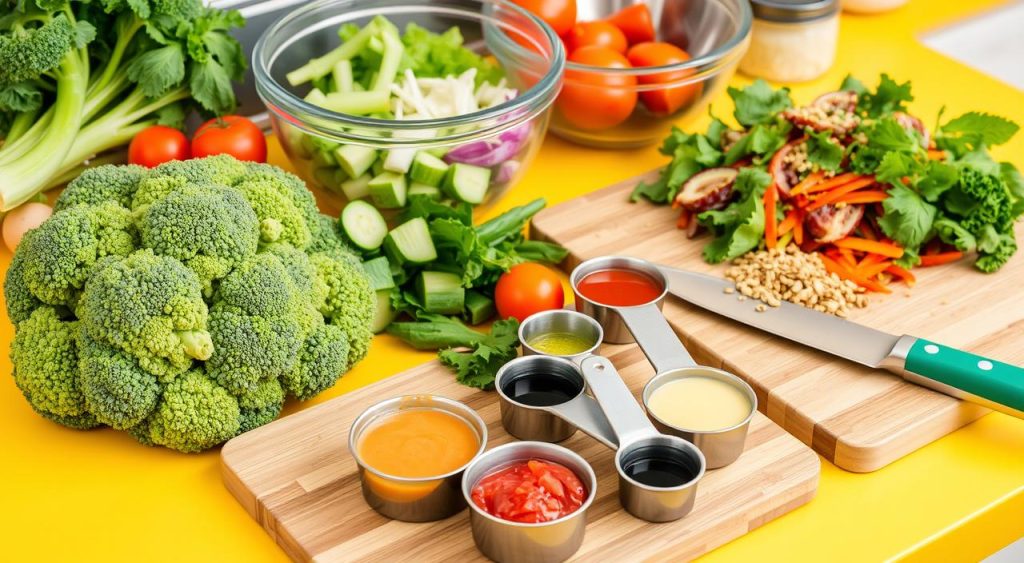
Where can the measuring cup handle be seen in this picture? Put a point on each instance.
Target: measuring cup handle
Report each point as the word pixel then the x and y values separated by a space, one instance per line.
pixel 656 338
pixel 584 413
pixel 626 417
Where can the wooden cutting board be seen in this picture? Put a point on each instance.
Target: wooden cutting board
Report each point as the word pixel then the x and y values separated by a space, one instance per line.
pixel 297 479
pixel 858 418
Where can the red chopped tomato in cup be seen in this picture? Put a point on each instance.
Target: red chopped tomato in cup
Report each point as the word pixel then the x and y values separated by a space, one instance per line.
pixel 530 492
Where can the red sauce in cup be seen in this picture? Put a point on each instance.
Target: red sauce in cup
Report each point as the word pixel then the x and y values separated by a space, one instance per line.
pixel 619 287
pixel 530 492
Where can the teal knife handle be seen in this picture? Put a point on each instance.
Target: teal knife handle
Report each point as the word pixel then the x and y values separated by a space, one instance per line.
pixel 985 378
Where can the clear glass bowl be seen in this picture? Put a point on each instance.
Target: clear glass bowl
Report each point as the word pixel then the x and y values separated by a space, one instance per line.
pixel 493 28
pixel 594 107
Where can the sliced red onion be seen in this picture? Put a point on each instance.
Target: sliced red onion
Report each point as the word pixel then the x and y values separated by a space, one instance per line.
pixel 506 171
pixel 493 151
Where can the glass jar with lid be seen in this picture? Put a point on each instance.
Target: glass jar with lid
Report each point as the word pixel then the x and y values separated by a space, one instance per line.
pixel 792 40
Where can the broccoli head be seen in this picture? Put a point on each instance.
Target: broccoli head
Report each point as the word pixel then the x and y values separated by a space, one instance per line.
pixel 261 405
pixel 19 299
pixel 323 359
pixel 193 414
pixel 150 307
pixel 254 324
pixel 159 182
pixel 304 275
pixel 28 52
pixel 103 183
pixel 280 220
pixel 209 228
pixel 45 357
pixel 61 253
pixel 350 299
pixel 119 392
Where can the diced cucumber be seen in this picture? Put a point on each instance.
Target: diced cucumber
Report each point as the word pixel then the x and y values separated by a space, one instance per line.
pixel 441 292
pixel 307 142
pixel 388 190
pixel 428 169
pixel 356 188
pixel 355 160
pixel 330 178
pixel 342 73
pixel 439 152
pixel 379 271
pixel 363 225
pixel 479 307
pixel 323 159
pixel 467 183
pixel 377 167
pixel 383 312
pixel 410 242
pixel 399 160
pixel 432 192
pixel 357 103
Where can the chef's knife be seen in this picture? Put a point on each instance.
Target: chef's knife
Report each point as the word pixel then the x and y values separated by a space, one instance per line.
pixel 963 375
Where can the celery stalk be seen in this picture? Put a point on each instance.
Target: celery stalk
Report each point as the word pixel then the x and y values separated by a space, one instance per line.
pixel 321 66
pixel 392 57
pixel 342 73
pixel 358 103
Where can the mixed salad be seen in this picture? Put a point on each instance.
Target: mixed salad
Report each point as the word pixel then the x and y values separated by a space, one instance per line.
pixel 416 75
pixel 853 176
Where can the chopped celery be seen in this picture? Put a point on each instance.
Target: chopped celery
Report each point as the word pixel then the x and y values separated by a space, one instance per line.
pixel 342 73
pixel 392 56
pixel 358 103
pixel 321 66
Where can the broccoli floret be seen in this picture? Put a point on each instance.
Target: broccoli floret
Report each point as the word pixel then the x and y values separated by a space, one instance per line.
pixel 117 390
pixel 19 299
pixel 103 183
pixel 150 307
pixel 323 359
pixel 254 325
pixel 159 182
pixel 27 53
pixel 260 406
pixel 62 252
pixel 45 359
pixel 304 275
pixel 327 236
pixel 194 414
pixel 280 220
pixel 350 299
pixel 211 229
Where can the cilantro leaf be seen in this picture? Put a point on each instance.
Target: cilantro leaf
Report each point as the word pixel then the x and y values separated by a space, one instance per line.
pixel 758 103
pixel 851 84
pixel 823 151
pixel 761 141
pixel 938 177
pixel 739 227
pixel 908 218
pixel 990 130
pixel 888 134
pixel 894 167
pixel 890 96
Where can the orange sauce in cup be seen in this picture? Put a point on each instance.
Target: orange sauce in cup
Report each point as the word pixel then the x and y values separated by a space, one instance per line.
pixel 417 443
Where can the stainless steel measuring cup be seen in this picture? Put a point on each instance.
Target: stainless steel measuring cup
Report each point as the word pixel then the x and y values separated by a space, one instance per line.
pixel 658 473
pixel 560 321
pixel 646 325
pixel 531 410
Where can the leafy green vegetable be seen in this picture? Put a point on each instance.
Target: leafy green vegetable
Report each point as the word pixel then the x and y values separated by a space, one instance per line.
pixel 759 103
pixel 430 54
pixel 690 154
pixel 823 151
pixel 739 227
pixel 908 218
pixel 761 142
pixel 980 129
pixel 890 96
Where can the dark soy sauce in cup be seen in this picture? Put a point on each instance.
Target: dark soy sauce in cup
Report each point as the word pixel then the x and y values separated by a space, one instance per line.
pixel 540 390
pixel 657 468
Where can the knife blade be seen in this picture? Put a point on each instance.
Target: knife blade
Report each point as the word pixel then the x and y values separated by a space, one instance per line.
pixel 957 373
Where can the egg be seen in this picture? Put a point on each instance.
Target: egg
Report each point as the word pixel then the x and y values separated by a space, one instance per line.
pixel 21 219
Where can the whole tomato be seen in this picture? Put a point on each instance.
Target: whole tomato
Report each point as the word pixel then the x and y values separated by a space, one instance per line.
pixel 231 134
pixel 599 33
pixel 156 145
pixel 526 289
pixel 668 100
pixel 596 99
pixel 635 23
pixel 559 14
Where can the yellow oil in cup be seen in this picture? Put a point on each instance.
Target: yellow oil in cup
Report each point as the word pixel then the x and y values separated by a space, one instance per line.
pixel 560 343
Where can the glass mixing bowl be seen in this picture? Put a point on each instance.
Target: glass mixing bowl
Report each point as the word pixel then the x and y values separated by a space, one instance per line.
pixel 632 107
pixel 503 138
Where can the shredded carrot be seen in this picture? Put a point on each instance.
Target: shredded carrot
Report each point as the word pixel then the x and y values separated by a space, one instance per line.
pixel 833 195
pixel 830 183
pixel 887 249
pixel 811 179
pixel 798 230
pixel 787 224
pixel 942 258
pixel 785 239
pixel 871 270
pixel 903 274
pixel 846 257
pixel 684 220
pixel 770 225
pixel 863 197
pixel 870 259
pixel 936 154
pixel 847 273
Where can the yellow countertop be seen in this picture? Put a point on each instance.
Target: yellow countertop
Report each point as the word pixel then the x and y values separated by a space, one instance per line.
pixel 99 495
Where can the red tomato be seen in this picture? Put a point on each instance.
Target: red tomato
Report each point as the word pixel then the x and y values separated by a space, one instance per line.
pixel 598 33
pixel 532 491
pixel 559 14
pixel 594 99
pixel 157 145
pixel 666 100
pixel 527 289
pixel 231 134
pixel 635 23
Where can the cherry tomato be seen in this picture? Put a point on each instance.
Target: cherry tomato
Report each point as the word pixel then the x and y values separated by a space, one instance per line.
pixel 231 134
pixel 666 100
pixel 598 33
pixel 596 99
pixel 527 289
pixel 635 23
pixel 157 145
pixel 559 14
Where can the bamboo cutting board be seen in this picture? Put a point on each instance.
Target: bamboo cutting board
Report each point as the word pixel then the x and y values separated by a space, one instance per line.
pixel 297 479
pixel 858 418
